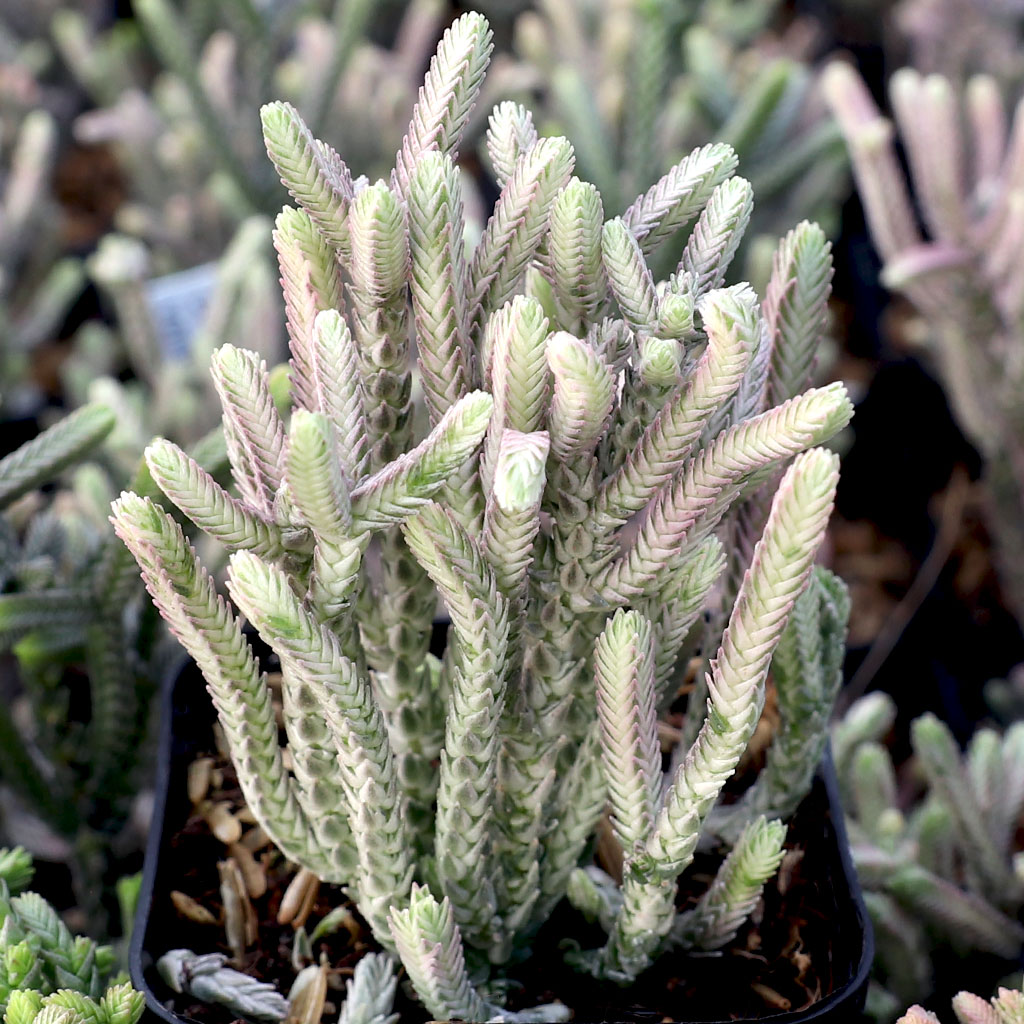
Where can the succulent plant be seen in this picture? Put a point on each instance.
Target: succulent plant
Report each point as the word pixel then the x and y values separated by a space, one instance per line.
pixel 46 973
pixel 957 38
pixel 965 279
pixel 38 283
pixel 85 646
pixel 945 871
pixel 189 137
pixel 637 84
pixel 208 979
pixel 585 433
pixel 39 604
pixel 1005 1007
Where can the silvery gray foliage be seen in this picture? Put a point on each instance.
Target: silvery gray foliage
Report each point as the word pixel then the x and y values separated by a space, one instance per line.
pixel 945 870
pixel 207 978
pixel 370 995
pixel 588 433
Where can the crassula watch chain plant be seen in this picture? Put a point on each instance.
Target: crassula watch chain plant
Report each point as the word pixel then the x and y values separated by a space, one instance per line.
pixel 48 975
pixel 947 868
pixel 455 797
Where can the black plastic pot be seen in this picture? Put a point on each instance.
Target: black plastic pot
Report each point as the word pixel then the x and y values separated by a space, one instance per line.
pixel 186 731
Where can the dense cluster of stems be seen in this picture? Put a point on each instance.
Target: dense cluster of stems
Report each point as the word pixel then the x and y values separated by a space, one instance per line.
pixel 589 444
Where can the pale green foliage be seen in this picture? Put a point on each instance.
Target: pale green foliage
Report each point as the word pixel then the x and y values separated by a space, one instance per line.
pixel 39 460
pixel 235 524
pixel 714 921
pixel 777 574
pixel 943 870
pixel 510 134
pixel 428 942
pixel 514 356
pixel 185 595
pixel 370 994
pixel 311 172
pixel 624 674
pixel 15 868
pixel 46 973
pixel 393 494
pixel 425 933
pixel 717 234
pixel 807 670
pixel 447 96
pixel 437 282
pixel 514 231
pixel 120 1004
pixel 69 596
pixel 573 263
pixel 673 201
pixel 868 719
pixel 252 428
pixel 795 308
pixel 629 276
pixel 455 797
pixel 581 399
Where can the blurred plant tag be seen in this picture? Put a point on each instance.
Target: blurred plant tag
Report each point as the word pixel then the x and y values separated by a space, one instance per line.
pixel 177 303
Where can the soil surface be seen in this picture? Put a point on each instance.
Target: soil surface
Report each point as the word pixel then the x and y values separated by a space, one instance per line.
pixel 788 956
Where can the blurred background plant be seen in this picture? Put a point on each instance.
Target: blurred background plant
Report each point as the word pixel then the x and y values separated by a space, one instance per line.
pixel 936 850
pixel 635 84
pixel 81 660
pixel 55 199
pixel 966 281
pixel 1006 1005
pixel 187 130
pixel 956 38
pixel 39 282
pixel 82 655
pixel 153 370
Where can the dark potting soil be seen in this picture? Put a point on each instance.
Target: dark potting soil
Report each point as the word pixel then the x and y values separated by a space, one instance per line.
pixel 782 960
pixel 197 851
